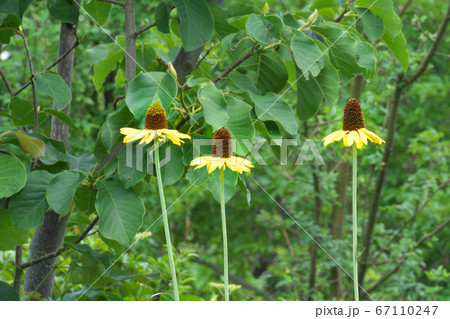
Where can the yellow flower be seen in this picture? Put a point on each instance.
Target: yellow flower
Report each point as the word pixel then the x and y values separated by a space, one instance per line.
pixel 353 128
pixel 221 155
pixel 155 128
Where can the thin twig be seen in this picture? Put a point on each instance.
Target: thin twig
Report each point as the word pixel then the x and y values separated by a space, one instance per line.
pixel 19 270
pixel 234 66
pixel 144 29
pixel 114 2
pixel 202 58
pixel 11 92
pixel 33 80
pixel 58 252
pixel 405 256
pixel 51 65
pixel 420 208
pixel 116 100
pixel 440 33
pixel 404 8
pixel 77 42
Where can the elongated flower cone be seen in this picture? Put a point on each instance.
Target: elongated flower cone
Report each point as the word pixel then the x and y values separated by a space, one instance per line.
pixel 155 119
pixel 221 145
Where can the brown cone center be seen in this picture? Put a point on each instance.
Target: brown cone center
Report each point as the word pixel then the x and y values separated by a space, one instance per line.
pixel 221 145
pixel 353 116
pixel 155 119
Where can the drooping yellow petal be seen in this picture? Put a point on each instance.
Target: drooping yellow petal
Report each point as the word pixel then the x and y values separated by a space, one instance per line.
pixel 133 134
pixel 359 142
pixel 373 137
pixel 199 162
pixel 212 165
pixel 363 136
pixel 241 161
pixel 149 138
pixel 353 137
pixel 335 136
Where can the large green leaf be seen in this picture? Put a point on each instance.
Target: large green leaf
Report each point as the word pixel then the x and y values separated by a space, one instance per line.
pixel 8 26
pixel 271 107
pixel 114 122
pixel 8 293
pixel 85 199
pixel 120 210
pixel 28 206
pixel 34 146
pixel 196 23
pixel 392 36
pixel 221 25
pixel 16 7
pixel 372 24
pixel 52 84
pixel 108 63
pixel 230 181
pixel 98 10
pixel 64 10
pixel 9 236
pixel 256 28
pixel 13 175
pixel 312 92
pixel 307 55
pixel 239 123
pixel 145 89
pixel 61 190
pixel 173 169
pixel 341 48
pixel 132 164
pixel 22 111
pixel 267 70
pixel 214 106
pixel 63 117
pixel 162 16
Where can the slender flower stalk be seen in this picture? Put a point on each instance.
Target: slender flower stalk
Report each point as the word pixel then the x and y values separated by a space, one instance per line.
pixel 353 133
pixel 221 158
pixel 355 223
pixel 166 224
pixel 224 233
pixel 156 130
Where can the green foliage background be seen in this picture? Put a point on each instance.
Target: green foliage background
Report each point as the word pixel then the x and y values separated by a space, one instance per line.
pixel 269 253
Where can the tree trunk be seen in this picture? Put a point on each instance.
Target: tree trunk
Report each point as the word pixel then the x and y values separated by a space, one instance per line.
pixel 130 30
pixel 48 237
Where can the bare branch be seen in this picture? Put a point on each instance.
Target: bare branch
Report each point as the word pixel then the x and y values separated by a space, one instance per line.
pixel 232 67
pixel 440 33
pixel 405 256
pixel 77 43
pixel 61 250
pixel 116 100
pixel 33 81
pixel 11 92
pixel 138 32
pixel 404 8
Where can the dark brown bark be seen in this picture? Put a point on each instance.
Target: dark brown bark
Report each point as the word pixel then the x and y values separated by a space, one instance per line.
pixel 48 237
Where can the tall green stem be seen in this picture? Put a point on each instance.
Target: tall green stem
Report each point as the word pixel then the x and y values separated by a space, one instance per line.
pixel 166 223
pixel 224 232
pixel 355 225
